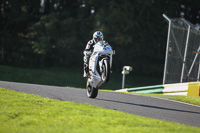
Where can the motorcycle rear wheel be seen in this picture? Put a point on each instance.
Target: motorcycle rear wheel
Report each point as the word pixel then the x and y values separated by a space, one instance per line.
pixel 91 91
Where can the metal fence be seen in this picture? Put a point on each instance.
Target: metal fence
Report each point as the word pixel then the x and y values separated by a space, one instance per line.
pixel 182 59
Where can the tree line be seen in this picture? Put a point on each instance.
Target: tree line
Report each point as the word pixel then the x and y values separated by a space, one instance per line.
pixel 50 33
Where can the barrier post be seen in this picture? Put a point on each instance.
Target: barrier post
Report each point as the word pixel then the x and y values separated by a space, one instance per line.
pixel 167 47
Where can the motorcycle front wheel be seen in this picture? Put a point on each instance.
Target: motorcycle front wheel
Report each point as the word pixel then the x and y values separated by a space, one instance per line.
pixel 106 71
pixel 91 91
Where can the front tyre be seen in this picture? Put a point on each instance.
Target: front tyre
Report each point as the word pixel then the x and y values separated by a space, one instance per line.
pixel 106 71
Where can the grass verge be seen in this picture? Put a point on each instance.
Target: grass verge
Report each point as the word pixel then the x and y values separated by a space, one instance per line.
pixel 49 76
pixel 185 99
pixel 69 77
pixel 21 112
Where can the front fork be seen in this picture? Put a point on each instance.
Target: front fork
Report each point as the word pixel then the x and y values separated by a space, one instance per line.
pixel 101 65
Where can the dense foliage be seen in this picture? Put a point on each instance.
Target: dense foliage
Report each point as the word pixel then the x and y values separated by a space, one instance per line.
pixel 55 32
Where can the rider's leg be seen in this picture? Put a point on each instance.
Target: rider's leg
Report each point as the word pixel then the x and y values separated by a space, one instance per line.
pixel 86 66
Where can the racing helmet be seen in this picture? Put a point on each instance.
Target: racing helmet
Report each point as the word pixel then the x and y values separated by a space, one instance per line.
pixel 97 36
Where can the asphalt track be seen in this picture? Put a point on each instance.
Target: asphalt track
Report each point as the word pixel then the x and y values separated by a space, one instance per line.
pixel 134 104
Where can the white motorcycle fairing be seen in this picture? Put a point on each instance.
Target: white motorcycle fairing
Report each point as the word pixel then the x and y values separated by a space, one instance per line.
pixel 100 49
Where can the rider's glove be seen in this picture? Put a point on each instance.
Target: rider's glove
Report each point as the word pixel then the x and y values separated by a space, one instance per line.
pixel 113 52
pixel 87 53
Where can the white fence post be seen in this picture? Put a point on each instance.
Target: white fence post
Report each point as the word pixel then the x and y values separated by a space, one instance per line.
pixel 126 70
pixel 193 63
pixel 186 46
pixel 167 47
pixel 123 80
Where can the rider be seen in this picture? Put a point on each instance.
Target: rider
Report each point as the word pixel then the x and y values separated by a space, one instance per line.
pixel 97 36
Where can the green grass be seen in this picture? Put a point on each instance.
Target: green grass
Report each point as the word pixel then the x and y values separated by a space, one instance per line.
pixel 50 76
pixel 69 77
pixel 21 112
pixel 185 99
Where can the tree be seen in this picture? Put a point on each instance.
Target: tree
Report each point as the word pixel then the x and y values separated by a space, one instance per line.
pixel 55 32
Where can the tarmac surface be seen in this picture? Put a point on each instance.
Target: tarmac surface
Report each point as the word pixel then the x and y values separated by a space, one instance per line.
pixel 134 104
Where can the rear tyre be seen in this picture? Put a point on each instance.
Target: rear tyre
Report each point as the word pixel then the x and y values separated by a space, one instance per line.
pixel 91 91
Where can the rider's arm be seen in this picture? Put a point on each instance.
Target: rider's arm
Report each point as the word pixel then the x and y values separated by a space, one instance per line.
pixel 89 45
pixel 107 44
pixel 88 49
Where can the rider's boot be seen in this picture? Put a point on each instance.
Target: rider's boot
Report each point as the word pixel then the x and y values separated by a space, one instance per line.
pixel 85 73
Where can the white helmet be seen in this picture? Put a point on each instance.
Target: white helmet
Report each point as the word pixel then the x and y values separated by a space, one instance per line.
pixel 97 36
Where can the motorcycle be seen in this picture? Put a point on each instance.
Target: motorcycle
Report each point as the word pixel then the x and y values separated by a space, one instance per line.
pixel 100 64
